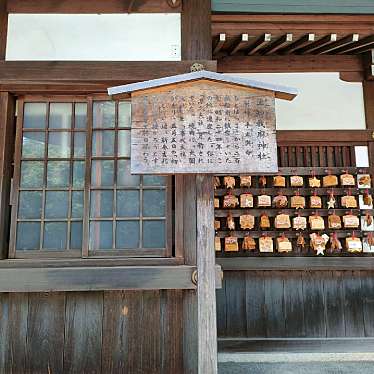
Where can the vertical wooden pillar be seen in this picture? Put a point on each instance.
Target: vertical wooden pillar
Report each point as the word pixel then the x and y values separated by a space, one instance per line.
pixel 200 350
pixel 3 28
pixel 7 132
pixel 206 287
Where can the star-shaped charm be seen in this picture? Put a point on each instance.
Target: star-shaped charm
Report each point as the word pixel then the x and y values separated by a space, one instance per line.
pixel 314 182
pixel 320 251
pixel 331 203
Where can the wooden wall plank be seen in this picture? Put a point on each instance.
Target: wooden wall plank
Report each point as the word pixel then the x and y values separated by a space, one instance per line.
pixel 83 332
pixel 314 305
pixel 334 301
pixel 45 335
pixel 354 316
pixel 293 300
pixel 4 333
pixel 274 304
pixel 171 330
pixel 367 286
pixel 92 6
pixel 236 320
pixel 221 309
pixel 255 304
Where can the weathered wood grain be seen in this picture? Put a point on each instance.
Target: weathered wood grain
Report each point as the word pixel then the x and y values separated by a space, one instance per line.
pixel 206 279
pixel 203 127
pixel 45 333
pixel 83 332
pixel 96 278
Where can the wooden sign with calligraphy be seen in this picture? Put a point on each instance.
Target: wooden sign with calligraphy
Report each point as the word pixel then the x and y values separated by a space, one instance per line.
pixel 203 127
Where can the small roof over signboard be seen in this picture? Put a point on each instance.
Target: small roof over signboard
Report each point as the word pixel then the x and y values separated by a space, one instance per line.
pixel 281 92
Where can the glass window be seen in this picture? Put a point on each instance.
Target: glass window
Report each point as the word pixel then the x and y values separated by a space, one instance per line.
pixel 75 186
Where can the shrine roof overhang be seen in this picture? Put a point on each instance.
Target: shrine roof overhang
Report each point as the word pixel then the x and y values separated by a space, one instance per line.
pixel 291 34
pixel 281 92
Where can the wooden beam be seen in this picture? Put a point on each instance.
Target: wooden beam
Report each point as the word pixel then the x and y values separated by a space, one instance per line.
pixel 368 90
pixel 277 44
pixel 368 64
pixel 92 71
pixel 7 140
pixel 360 45
pixel 3 28
pixel 219 44
pixel 289 63
pixel 239 44
pixel 300 43
pixel 317 44
pixel 91 6
pixel 346 41
pixel 296 263
pixel 196 30
pixel 206 287
pixel 258 44
pixel 97 278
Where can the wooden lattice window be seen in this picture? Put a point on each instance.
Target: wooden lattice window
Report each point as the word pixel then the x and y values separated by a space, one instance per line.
pixel 73 193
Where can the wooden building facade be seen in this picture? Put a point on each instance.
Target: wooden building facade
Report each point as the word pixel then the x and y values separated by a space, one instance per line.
pixel 84 306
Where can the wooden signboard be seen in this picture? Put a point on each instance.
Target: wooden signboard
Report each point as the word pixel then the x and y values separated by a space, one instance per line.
pixel 203 127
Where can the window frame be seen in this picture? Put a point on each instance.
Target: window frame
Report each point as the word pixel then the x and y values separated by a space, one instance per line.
pixel 85 252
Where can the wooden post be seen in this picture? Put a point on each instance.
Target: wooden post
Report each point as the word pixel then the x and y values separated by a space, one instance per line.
pixel 200 333
pixel 3 28
pixel 206 287
pixel 7 134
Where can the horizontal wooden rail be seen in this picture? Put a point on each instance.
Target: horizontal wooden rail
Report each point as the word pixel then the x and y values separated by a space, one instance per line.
pixel 296 263
pixel 299 137
pixel 99 278
pixel 109 72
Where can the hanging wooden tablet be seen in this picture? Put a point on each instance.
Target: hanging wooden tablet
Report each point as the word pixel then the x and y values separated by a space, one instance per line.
pixel 231 244
pixel 217 244
pixel 318 243
pixel 249 243
pixel 300 241
pixel 331 201
pixel 349 201
pixel 217 224
pixel 353 244
pixel 351 221
pixel 330 181
pixel 282 221
pixel 230 222
pixel 262 181
pixel 314 182
pixel 364 181
pixel 335 244
pixel 229 182
pixel 217 182
pixel 279 181
pixel 347 180
pixel 298 202
pixel 246 181
pixel 315 202
pixel 247 222
pixel 316 222
pixel 216 202
pixel 367 198
pixel 264 221
pixel 296 181
pixel 230 201
pixel 280 201
pixel 334 222
pixel 367 222
pixel 246 200
pixel 264 201
pixel 266 244
pixel 368 243
pixel 284 245
pixel 299 223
